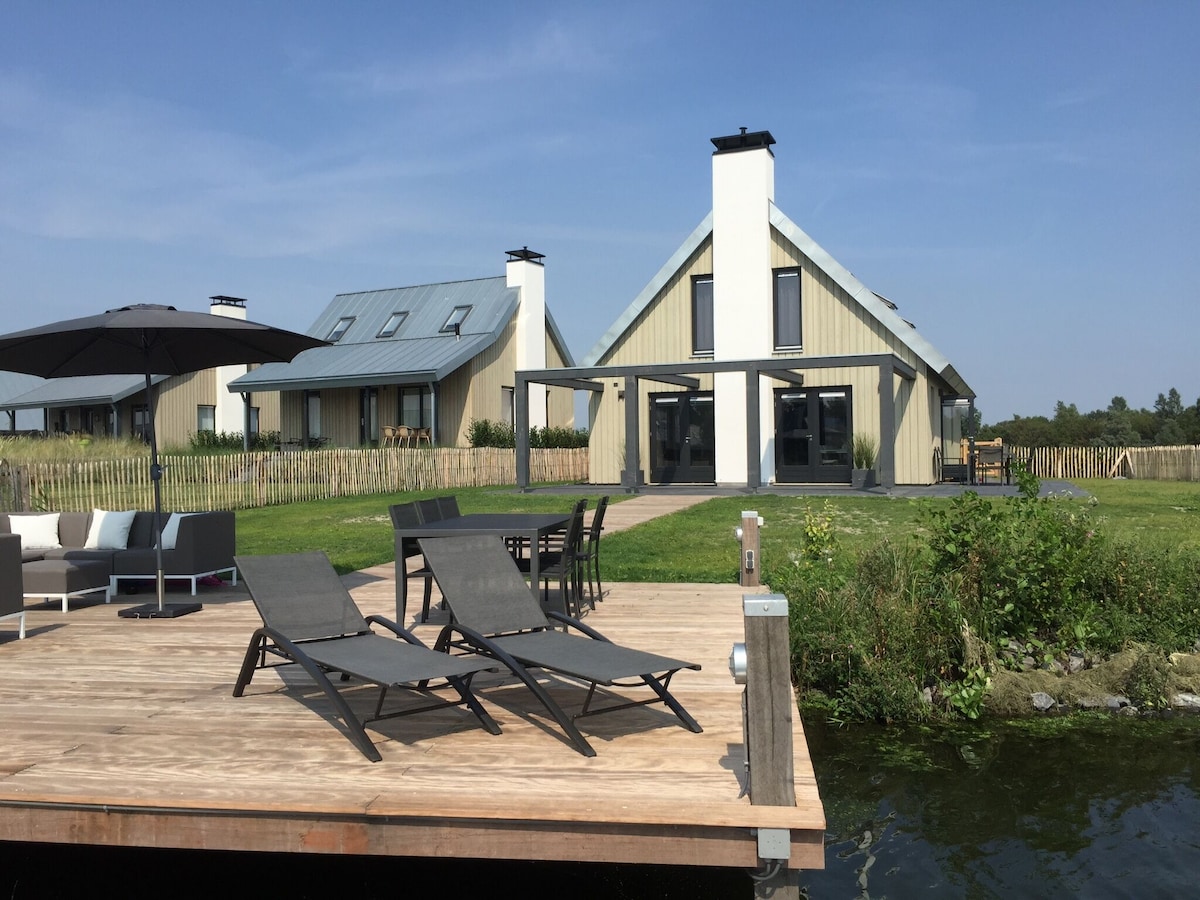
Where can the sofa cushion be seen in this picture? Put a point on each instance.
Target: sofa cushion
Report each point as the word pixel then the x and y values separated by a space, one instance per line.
pixel 109 530
pixel 38 532
pixel 170 532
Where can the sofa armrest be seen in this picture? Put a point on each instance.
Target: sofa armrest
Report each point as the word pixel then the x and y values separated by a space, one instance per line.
pixel 206 542
pixel 12 598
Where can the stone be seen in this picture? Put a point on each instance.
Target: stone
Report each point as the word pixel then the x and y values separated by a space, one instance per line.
pixel 1117 702
pixel 1042 701
pixel 1186 701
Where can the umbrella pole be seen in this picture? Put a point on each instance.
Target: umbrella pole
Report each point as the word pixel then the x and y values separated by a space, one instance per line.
pixel 156 480
pixel 161 610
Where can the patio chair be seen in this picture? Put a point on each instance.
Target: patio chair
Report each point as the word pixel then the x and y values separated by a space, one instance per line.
pixel 404 515
pixel 562 561
pixel 589 553
pixel 495 614
pixel 310 620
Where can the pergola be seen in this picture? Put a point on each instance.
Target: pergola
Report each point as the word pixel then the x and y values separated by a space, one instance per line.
pixel 685 374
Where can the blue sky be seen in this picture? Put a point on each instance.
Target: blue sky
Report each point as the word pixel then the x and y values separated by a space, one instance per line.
pixel 1021 178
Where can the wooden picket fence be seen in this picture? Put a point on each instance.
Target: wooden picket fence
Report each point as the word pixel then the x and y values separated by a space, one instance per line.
pixel 247 480
pixel 1148 463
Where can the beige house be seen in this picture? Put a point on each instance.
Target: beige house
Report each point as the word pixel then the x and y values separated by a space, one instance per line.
pixel 431 356
pixel 755 358
pixel 116 405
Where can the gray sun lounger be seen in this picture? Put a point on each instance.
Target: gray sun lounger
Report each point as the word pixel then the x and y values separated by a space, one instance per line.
pixel 310 620
pixel 495 614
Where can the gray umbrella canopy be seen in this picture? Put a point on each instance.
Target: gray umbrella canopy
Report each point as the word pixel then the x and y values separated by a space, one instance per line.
pixel 147 339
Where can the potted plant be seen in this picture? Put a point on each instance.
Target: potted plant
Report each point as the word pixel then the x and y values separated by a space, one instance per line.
pixel 863 451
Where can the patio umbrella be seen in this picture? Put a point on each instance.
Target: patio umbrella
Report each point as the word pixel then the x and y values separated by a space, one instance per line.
pixel 148 339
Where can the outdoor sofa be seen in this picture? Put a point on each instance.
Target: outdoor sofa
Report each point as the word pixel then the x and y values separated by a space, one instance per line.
pixel 195 545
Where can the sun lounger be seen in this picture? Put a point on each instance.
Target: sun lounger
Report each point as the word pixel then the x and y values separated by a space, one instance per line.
pixel 310 619
pixel 495 614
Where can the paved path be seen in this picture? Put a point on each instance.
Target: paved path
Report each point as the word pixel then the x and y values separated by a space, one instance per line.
pixel 644 507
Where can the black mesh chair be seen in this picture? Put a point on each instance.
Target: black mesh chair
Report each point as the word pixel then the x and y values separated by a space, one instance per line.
pixel 310 620
pixel 405 515
pixel 495 614
pixel 589 553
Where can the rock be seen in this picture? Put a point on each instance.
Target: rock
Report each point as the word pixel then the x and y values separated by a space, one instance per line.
pixel 1029 663
pixel 1093 703
pixel 1186 701
pixel 1076 662
pixel 1042 701
pixel 1127 711
pixel 1117 702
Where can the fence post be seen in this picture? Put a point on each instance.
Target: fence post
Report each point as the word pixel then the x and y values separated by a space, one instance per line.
pixel 763 664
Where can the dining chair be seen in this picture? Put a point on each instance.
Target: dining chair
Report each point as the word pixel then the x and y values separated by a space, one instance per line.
pixel 403 435
pixel 389 435
pixel 423 434
pixel 589 553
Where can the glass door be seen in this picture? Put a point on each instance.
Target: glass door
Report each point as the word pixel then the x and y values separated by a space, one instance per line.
pixel 812 436
pixel 683 438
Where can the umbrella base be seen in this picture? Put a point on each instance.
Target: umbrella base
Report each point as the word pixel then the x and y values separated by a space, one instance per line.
pixel 151 610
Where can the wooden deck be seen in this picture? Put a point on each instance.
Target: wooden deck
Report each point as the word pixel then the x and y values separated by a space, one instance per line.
pixel 125 732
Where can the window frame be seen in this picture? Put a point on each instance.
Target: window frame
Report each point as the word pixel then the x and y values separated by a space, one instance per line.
pixel 338 331
pixel 698 315
pixel 455 319
pixel 783 341
pixel 212 417
pixel 389 329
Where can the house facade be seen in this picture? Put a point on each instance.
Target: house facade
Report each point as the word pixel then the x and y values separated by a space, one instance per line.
pixel 432 356
pixel 755 358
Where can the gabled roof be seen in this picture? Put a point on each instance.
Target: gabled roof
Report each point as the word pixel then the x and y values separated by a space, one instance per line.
pixel 418 353
pixel 14 384
pixel 882 310
pixel 81 390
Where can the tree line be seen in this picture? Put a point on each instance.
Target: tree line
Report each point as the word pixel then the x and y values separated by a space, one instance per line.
pixel 1170 423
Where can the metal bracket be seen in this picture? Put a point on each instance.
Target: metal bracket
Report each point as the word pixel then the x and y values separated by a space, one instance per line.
pixel 764 605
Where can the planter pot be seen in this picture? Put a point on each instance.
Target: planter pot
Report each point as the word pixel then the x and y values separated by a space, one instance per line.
pixel 861 479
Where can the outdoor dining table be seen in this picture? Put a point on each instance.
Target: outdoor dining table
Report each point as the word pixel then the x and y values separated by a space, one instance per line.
pixel 533 528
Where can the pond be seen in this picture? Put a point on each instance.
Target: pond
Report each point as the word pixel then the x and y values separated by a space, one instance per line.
pixel 1066 807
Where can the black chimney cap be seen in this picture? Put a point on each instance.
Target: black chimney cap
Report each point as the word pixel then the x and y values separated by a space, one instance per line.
pixel 221 300
pixel 743 141
pixel 524 253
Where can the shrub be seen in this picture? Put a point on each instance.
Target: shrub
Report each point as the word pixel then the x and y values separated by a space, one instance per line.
pixel 486 433
pixel 231 441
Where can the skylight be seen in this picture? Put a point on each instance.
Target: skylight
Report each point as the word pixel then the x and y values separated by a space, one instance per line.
pixel 339 330
pixel 456 318
pixel 395 320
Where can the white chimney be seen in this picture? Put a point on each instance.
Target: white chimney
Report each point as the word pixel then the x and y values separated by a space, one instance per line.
pixel 743 189
pixel 231 411
pixel 525 271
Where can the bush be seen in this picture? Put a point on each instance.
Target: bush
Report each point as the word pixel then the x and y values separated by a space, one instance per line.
pixel 486 433
pixel 231 441
pixel 871 634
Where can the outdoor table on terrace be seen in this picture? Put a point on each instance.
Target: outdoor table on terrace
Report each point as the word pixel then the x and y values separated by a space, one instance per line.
pixel 531 527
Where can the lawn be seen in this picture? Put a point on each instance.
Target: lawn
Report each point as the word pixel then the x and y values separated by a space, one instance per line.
pixel 696 544
pixel 355 531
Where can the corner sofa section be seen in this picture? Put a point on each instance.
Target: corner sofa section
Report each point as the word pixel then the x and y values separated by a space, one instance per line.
pixel 204 546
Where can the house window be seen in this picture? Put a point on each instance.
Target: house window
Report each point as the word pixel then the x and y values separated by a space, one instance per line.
pixel 312 402
pixel 395 320
pixel 254 420
pixel 141 421
pixel 206 418
pixel 456 318
pixel 702 315
pixel 415 407
pixel 339 330
pixel 508 401
pixel 788 334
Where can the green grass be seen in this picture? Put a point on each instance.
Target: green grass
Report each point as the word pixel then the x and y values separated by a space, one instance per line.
pixel 696 544
pixel 355 531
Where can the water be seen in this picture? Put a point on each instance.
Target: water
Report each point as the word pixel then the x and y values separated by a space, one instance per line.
pixel 1060 808
pixel 1056 808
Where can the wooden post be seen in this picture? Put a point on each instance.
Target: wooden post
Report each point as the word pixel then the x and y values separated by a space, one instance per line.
pixel 769 710
pixel 750 565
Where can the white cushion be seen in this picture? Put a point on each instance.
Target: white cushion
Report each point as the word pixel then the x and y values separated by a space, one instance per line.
pixel 109 530
pixel 170 532
pixel 37 532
